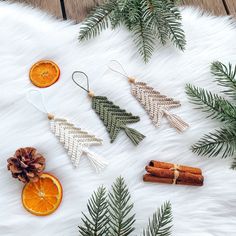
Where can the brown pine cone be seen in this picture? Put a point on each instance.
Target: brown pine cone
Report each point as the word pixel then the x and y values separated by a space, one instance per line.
pixel 26 165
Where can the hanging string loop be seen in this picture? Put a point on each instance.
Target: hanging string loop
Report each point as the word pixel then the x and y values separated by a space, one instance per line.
pixel 116 67
pixel 32 100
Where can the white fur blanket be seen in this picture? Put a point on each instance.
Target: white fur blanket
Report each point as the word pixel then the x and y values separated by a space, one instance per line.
pixel 28 35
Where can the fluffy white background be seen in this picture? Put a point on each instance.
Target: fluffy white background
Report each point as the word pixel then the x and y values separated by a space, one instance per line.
pixel 28 35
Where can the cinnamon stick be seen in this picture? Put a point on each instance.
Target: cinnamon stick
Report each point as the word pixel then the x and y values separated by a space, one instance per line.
pixel 170 174
pixel 154 179
pixel 165 165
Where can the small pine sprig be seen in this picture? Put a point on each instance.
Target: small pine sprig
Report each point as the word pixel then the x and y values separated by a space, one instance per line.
pixel 216 106
pixel 160 224
pixel 97 21
pixel 225 76
pixel 223 141
pixel 147 20
pixel 121 220
pixel 95 224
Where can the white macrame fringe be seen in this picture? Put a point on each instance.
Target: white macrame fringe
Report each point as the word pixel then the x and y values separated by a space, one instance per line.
pixel 77 142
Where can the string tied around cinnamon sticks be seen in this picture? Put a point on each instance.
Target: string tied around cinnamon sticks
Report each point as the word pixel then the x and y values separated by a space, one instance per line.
pixel 163 172
pixel 176 173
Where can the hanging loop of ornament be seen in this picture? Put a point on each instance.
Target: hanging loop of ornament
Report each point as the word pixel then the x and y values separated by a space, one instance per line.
pixel 76 77
pixel 29 97
pixel 120 70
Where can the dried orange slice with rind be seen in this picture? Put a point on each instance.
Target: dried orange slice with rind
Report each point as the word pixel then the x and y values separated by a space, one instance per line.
pixel 44 73
pixel 43 197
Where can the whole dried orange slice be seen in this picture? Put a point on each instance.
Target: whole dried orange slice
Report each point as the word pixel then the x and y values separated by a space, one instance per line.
pixel 44 73
pixel 43 197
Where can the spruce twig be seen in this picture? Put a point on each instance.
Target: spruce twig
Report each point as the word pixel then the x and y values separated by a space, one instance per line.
pixel 160 224
pixel 120 220
pixel 225 76
pixel 222 141
pixel 96 223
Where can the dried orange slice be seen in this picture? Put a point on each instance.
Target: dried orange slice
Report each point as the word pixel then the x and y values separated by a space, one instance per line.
pixel 44 73
pixel 43 197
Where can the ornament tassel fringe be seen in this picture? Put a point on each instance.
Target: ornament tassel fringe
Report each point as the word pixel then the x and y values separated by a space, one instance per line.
pixel 176 122
pixel 97 161
pixel 135 136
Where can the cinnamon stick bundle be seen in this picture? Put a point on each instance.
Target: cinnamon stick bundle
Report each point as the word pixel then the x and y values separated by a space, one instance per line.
pixel 162 172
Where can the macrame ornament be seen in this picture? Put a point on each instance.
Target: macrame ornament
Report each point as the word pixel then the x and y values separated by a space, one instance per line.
pixel 113 117
pixel 155 104
pixel 75 140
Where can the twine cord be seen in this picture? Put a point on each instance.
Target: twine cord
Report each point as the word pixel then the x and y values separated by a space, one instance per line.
pixel 176 169
pixel 29 97
pixel 121 71
pixel 77 82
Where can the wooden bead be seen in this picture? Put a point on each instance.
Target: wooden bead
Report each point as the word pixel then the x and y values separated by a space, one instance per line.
pixel 50 116
pixel 131 80
pixel 91 93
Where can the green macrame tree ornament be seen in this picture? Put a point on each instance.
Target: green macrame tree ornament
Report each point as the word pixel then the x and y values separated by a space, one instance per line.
pixel 114 118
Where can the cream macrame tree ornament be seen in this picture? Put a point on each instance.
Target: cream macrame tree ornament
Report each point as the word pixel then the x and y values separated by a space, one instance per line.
pixel 155 104
pixel 75 140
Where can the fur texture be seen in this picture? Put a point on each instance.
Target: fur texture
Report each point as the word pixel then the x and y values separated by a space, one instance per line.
pixel 28 35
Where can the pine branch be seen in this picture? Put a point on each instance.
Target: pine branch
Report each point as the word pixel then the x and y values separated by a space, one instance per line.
pixel 216 106
pixel 160 224
pixel 97 21
pixel 171 17
pixel 96 222
pixel 225 76
pixel 154 18
pixel 147 20
pixel 222 141
pixel 120 220
pixel 143 36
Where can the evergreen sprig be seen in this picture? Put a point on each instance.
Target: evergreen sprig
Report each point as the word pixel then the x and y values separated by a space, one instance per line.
pixel 160 224
pixel 147 20
pixel 95 224
pixel 223 140
pixel 225 76
pixel 111 214
pixel 120 220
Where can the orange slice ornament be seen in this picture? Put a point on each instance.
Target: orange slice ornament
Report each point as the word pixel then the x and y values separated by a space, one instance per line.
pixel 44 73
pixel 43 197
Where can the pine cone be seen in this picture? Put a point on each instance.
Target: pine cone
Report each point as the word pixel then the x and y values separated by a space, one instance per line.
pixel 26 165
